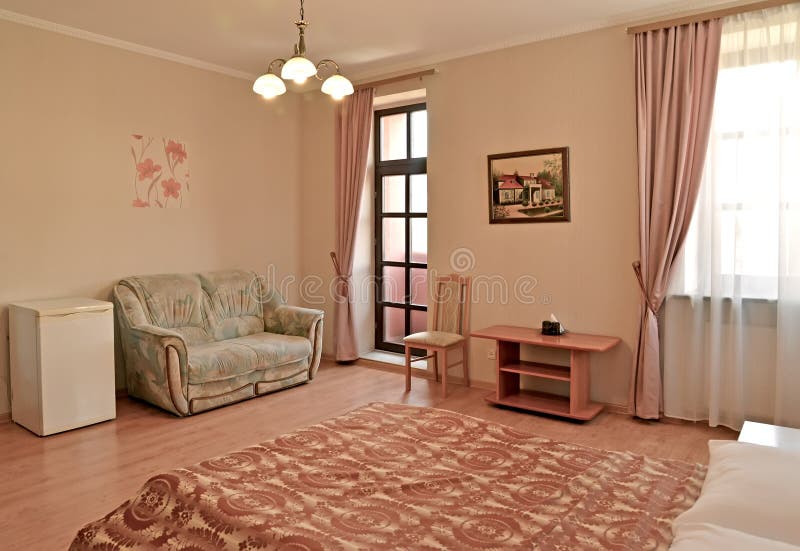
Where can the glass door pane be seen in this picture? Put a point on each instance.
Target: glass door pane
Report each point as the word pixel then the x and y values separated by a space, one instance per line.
pixel 394 239
pixel 419 134
pixel 419 240
pixel 394 142
pixel 394 325
pixel 394 193
pixel 394 284
pixel 419 193
pixel 419 286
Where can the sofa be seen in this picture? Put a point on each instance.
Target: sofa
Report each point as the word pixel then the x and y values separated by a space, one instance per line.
pixel 194 342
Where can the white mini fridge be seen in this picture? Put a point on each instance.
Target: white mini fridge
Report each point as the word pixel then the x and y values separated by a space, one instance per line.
pixel 62 363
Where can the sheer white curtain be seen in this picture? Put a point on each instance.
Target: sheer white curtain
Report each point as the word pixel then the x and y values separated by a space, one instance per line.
pixel 732 325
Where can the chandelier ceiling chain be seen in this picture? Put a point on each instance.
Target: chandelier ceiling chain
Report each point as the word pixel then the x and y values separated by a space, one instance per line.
pixel 299 68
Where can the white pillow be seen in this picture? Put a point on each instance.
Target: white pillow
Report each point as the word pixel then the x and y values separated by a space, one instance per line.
pixel 707 537
pixel 749 488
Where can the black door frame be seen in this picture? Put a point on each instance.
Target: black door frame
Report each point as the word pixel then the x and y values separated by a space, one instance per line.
pixel 401 167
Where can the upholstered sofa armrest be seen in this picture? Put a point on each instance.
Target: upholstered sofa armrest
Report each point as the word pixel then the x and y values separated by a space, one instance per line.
pixel 292 320
pixel 158 333
pixel 160 364
pixel 160 337
pixel 300 322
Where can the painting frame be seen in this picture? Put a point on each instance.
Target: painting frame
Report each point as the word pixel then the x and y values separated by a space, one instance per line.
pixel 520 187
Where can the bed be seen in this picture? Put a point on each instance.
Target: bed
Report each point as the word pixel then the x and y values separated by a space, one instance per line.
pixel 389 476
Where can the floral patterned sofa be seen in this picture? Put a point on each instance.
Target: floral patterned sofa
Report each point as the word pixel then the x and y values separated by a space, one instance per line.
pixel 193 342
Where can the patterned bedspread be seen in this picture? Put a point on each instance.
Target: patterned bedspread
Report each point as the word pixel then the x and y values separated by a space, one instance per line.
pixel 390 476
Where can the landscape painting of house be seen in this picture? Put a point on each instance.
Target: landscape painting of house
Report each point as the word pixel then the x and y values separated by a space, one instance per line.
pixel 529 186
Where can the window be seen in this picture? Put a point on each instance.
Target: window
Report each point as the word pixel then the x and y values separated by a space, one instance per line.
pixel 733 355
pixel 401 224
pixel 741 228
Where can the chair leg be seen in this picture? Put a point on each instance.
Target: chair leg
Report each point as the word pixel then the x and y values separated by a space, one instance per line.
pixel 465 361
pixel 444 373
pixel 408 369
pixel 435 365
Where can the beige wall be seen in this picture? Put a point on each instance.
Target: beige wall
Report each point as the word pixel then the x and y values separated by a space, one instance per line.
pixel 67 108
pixel 262 180
pixel 576 91
pixel 318 233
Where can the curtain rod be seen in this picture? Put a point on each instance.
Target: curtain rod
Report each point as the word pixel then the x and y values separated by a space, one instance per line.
pixel 705 16
pixel 399 78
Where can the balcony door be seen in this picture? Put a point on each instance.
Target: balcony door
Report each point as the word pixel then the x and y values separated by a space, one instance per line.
pixel 401 224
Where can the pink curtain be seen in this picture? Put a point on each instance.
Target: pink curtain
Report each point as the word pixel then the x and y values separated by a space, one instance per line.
pixel 353 122
pixel 676 76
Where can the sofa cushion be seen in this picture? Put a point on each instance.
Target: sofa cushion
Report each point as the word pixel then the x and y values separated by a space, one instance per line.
pixel 172 301
pixel 273 349
pixel 220 360
pixel 233 303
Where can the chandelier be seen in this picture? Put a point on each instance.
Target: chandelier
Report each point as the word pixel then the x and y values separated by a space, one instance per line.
pixel 299 69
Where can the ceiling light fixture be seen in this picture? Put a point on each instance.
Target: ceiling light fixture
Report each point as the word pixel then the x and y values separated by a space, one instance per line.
pixel 299 69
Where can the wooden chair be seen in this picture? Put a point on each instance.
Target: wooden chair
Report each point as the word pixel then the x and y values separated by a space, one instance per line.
pixel 451 301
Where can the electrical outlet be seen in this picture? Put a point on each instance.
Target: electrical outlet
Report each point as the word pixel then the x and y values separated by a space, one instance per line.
pixel 491 354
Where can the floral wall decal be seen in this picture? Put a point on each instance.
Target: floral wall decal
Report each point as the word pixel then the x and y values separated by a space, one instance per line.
pixel 161 172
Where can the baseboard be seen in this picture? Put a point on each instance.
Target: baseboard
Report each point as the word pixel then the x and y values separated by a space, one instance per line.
pixel 618 409
pixel 5 417
pixel 122 393
pixel 485 385
pixel 678 421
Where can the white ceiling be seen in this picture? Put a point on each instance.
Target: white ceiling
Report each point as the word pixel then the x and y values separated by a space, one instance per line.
pixel 367 37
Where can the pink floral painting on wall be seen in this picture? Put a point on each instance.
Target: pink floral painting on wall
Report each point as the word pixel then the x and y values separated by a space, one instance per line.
pixel 160 172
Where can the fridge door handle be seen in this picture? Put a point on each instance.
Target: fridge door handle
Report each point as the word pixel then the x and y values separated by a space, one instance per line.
pixel 76 313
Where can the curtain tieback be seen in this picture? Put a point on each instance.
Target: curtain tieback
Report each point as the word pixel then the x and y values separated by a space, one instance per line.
pixel 337 268
pixel 342 280
pixel 637 269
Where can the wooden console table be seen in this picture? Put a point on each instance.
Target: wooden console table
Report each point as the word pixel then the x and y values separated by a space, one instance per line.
pixel 509 368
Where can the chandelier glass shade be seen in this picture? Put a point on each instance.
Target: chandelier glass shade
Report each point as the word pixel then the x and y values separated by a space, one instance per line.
pixel 269 86
pixel 337 87
pixel 299 69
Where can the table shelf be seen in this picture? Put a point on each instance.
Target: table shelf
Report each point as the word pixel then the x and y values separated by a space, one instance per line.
pixel 534 400
pixel 537 369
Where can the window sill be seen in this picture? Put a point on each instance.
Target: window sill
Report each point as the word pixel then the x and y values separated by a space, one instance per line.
pixel 728 299
pixel 749 312
pixel 393 358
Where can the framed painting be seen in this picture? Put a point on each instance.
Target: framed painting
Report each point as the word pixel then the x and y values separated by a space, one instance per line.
pixel 529 186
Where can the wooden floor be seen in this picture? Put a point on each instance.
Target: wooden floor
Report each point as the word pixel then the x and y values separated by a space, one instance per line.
pixel 51 486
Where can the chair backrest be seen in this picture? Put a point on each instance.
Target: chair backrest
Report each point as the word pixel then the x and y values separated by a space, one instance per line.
pixel 451 300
